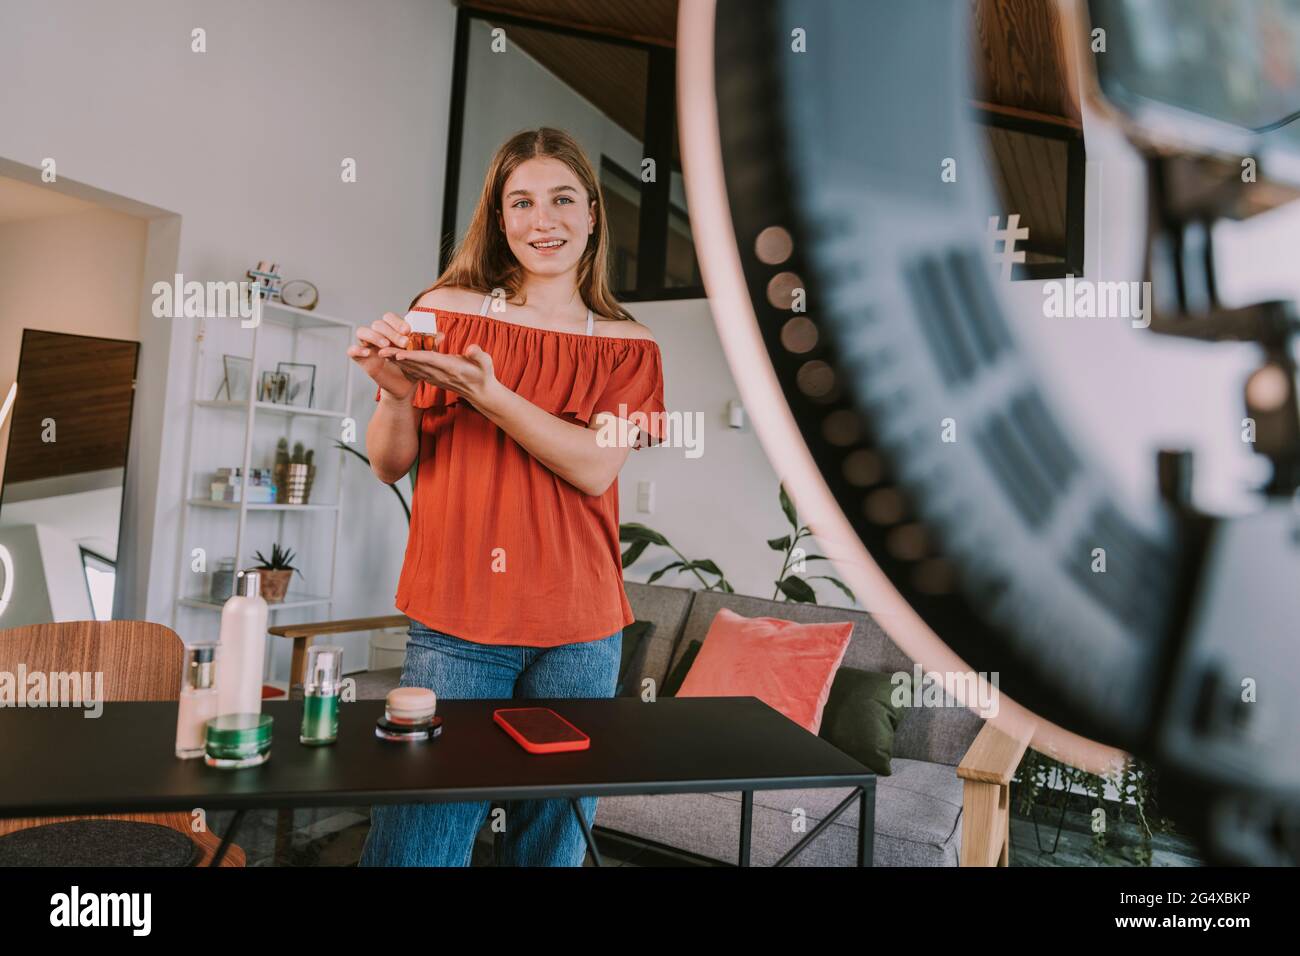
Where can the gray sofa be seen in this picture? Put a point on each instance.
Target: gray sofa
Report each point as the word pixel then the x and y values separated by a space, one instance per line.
pixel 918 807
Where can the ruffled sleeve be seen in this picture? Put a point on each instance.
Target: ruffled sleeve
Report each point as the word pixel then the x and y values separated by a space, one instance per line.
pixel 633 390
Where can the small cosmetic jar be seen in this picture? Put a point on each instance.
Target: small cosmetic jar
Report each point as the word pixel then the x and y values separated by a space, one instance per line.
pixel 424 326
pixel 409 715
pixel 238 740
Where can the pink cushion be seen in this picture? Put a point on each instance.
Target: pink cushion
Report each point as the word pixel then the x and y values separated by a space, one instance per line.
pixel 788 666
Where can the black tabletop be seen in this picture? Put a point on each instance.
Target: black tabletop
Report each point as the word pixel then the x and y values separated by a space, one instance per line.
pixel 55 760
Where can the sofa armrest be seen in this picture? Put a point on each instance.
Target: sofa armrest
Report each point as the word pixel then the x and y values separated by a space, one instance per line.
pixel 986 773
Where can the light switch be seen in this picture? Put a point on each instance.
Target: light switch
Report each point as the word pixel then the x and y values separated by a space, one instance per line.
pixel 645 497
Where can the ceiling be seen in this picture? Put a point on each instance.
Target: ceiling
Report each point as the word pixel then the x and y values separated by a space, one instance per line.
pixel 646 21
pixel 610 76
pixel 1019 60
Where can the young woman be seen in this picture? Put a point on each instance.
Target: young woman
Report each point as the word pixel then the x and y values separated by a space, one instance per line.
pixel 521 417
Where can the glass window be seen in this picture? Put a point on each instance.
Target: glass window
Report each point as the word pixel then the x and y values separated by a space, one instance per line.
pixel 518 74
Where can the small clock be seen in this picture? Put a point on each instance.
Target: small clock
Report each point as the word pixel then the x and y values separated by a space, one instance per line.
pixel 299 293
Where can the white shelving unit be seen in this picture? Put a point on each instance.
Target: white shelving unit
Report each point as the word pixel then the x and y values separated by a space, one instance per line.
pixel 265 414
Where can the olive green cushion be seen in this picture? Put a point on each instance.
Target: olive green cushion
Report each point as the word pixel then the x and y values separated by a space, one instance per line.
pixel 633 635
pixel 860 717
pixel 674 681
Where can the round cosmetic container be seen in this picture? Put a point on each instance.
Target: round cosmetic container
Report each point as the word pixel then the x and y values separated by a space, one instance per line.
pixel 387 730
pixel 409 715
pixel 238 740
pixel 410 705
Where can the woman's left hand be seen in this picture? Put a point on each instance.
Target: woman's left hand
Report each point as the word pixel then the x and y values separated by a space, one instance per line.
pixel 469 375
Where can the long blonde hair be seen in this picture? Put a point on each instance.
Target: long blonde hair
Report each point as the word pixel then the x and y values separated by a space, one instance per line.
pixel 483 261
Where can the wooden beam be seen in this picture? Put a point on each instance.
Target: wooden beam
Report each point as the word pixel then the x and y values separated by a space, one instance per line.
pixel 315 628
pixel 1032 116
pixel 489 8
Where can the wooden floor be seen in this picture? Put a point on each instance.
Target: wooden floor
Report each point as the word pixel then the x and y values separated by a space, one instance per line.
pixel 334 837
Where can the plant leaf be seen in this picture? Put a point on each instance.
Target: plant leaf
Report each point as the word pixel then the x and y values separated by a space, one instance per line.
pixel 634 552
pixel 632 531
pixel 725 586
pixel 837 582
pixel 662 571
pixel 779 544
pixel 704 564
pixel 797 589
pixel 788 507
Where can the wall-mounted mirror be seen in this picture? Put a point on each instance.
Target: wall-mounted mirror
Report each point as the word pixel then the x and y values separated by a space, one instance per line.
pixel 64 472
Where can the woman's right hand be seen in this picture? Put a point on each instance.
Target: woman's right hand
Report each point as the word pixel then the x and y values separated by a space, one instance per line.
pixel 390 332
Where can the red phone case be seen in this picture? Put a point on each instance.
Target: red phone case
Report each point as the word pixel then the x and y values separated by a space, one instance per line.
pixel 502 717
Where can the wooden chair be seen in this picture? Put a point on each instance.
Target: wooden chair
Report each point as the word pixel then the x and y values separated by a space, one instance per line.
pixel 986 773
pixel 140 661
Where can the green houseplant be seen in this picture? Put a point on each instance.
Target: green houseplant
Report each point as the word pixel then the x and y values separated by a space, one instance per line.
pixel 789 585
pixel 410 475
pixel 1122 830
pixel 275 572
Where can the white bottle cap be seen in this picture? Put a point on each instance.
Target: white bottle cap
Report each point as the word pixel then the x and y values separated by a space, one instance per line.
pixel 422 322
pixel 249 584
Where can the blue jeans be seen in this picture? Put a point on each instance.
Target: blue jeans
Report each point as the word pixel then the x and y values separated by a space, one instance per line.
pixel 537 832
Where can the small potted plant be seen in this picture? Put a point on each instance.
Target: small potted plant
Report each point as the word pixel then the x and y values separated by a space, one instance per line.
pixel 275 573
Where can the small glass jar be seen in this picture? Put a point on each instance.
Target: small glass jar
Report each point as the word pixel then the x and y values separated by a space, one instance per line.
pixel 198 700
pixel 238 740
pixel 320 705
pixel 409 715
pixel 223 581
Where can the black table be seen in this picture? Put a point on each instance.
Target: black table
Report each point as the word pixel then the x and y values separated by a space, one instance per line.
pixel 55 761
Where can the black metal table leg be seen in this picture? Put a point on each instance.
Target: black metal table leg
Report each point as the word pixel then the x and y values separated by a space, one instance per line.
pixel 228 839
pixel 586 831
pixel 867 824
pixel 746 824
pixel 866 797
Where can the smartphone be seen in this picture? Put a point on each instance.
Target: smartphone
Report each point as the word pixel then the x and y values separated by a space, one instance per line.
pixel 540 730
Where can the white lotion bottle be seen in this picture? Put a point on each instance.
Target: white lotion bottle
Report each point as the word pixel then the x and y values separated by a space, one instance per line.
pixel 243 647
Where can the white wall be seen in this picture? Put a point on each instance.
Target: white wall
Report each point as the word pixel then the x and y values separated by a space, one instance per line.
pixel 124 105
pixel 76 273
pixel 724 504
pixel 245 142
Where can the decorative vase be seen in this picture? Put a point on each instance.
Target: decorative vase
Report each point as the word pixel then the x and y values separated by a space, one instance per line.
pixel 280 471
pixel 274 583
pixel 297 484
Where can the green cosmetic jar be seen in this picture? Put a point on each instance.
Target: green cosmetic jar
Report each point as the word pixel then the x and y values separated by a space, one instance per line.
pixel 238 740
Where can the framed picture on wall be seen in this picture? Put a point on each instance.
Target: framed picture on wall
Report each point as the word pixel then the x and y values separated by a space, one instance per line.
pixel 302 383
pixel 238 372
pixel 274 387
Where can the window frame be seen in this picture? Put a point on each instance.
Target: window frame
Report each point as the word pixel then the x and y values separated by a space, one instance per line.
pixel 657 140
pixel 1075 183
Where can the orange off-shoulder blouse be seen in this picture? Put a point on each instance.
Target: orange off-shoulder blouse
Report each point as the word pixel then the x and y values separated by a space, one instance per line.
pixel 501 549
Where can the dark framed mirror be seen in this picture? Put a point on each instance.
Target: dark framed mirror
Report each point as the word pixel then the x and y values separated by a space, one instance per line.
pixel 64 476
